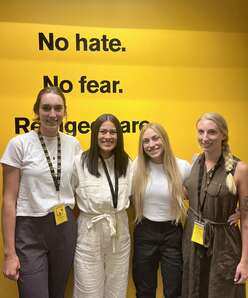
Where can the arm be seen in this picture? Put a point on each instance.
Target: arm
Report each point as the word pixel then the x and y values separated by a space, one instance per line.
pixel 241 177
pixel 11 178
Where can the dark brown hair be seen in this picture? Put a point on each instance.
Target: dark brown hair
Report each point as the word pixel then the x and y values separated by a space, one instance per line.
pixel 91 156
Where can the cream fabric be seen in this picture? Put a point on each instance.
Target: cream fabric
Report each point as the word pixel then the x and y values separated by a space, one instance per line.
pixel 103 245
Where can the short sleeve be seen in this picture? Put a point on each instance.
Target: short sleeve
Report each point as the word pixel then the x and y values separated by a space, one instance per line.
pixel 184 167
pixel 78 149
pixel 75 178
pixel 13 154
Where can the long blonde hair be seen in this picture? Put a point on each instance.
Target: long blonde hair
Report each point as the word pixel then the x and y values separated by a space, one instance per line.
pixel 227 155
pixel 141 173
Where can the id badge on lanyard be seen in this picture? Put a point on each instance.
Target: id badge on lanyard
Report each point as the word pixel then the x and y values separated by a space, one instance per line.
pixel 60 214
pixel 198 232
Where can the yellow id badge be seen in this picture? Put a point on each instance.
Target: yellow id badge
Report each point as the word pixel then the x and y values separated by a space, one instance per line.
pixel 198 233
pixel 60 214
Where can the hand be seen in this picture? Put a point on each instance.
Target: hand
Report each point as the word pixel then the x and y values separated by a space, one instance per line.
pixel 11 267
pixel 234 218
pixel 241 274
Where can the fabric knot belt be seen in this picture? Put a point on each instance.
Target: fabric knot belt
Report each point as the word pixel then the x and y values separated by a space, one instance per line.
pixel 208 229
pixel 196 215
pixel 110 218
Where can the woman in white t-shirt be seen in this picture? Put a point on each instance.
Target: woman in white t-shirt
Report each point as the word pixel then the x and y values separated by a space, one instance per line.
pixel 103 189
pixel 158 199
pixel 39 230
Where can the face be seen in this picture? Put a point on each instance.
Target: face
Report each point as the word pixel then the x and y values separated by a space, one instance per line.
pixel 107 138
pixel 153 145
pixel 51 113
pixel 209 136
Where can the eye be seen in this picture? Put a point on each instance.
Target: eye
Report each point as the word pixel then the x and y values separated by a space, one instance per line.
pixel 58 108
pixel 46 108
pixel 103 131
pixel 212 132
pixel 112 132
pixel 145 141
pixel 155 138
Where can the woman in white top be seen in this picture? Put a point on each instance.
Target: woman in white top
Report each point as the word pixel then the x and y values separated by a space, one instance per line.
pixel 103 189
pixel 39 229
pixel 158 198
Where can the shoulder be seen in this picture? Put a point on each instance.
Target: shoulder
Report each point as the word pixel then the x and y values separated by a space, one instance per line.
pixel 184 167
pixel 70 142
pixel 183 164
pixel 241 169
pixel 68 138
pixel 22 139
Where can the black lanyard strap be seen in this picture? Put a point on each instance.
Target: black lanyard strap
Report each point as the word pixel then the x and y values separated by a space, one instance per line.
pixel 56 178
pixel 114 192
pixel 209 178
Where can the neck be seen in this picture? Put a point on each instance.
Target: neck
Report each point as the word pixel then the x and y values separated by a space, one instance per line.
pixel 157 161
pixel 211 158
pixel 105 155
pixel 50 133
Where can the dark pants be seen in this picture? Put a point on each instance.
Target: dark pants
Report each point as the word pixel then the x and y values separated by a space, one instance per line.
pixel 154 243
pixel 46 254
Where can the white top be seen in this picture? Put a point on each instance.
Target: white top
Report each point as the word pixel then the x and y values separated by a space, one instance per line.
pixel 93 193
pixel 157 197
pixel 37 194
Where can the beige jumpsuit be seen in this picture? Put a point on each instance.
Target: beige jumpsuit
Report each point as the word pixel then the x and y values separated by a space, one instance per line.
pixel 103 243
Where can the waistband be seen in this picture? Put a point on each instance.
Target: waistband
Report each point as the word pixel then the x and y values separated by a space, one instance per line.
pixel 110 218
pixel 195 215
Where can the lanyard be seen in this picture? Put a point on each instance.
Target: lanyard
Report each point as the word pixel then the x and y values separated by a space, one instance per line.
pixel 114 192
pixel 56 178
pixel 210 176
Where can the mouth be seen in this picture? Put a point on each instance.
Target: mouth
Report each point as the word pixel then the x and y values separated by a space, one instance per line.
pixel 205 145
pixel 107 143
pixel 52 122
pixel 154 151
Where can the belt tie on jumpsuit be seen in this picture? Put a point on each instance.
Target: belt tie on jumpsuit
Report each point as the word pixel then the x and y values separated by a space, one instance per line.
pixel 112 223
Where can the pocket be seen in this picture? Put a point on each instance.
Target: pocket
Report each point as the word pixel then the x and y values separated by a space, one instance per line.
pixel 214 189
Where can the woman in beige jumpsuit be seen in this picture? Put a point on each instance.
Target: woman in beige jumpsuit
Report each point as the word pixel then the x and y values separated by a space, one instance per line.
pixel 103 188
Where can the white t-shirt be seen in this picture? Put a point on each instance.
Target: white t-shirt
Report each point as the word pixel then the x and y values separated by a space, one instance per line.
pixel 93 193
pixel 37 194
pixel 157 197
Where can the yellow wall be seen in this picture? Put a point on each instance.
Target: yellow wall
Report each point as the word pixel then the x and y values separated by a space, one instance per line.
pixel 179 62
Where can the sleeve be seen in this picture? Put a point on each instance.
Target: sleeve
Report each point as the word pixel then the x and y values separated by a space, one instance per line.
pixel 74 177
pixel 132 172
pixel 186 170
pixel 13 154
pixel 78 149
pixel 130 177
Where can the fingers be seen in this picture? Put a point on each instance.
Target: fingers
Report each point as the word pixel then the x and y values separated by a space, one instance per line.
pixel 236 277
pixel 12 276
pixel 233 220
pixel 11 267
pixel 240 278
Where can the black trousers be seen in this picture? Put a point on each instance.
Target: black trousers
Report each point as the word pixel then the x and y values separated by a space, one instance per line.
pixel 157 243
pixel 46 254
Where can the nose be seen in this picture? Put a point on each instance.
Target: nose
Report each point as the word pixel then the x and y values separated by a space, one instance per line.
pixel 205 136
pixel 151 144
pixel 108 135
pixel 52 113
